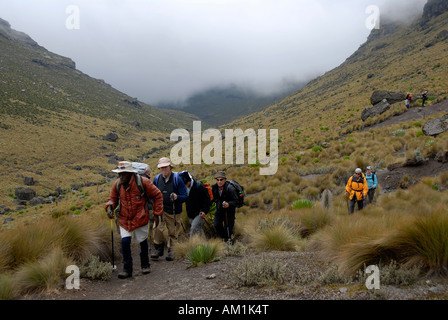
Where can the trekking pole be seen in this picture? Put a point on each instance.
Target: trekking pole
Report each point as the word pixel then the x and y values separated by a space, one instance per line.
pixel 227 223
pixel 112 237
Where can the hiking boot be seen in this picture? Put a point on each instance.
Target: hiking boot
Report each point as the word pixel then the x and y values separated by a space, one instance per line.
pixel 169 257
pixel 146 270
pixel 124 275
pixel 158 252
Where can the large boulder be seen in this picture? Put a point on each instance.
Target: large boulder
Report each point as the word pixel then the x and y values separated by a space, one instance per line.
pixel 377 109
pixel 391 97
pixel 25 193
pixel 111 136
pixel 436 126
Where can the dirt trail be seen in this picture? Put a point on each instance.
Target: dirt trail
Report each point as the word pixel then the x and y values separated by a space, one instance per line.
pixel 416 113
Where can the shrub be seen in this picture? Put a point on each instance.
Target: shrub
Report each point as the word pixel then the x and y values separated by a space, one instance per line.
pixel 302 203
pixel 399 133
pixel 94 269
pixel 317 149
pixel 257 272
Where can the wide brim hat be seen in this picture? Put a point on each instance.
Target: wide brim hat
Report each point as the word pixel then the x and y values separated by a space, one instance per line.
pixel 124 166
pixel 164 162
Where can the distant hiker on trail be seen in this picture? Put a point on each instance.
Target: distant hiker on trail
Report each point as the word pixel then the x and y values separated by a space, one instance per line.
pixel 357 190
pixel 174 194
pixel 408 100
pixel 372 183
pixel 424 98
pixel 226 199
pixel 133 215
pixel 197 204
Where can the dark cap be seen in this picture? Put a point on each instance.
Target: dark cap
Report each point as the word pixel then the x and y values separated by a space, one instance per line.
pixel 221 174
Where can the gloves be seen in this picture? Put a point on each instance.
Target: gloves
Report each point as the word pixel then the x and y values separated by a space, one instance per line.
pixel 109 211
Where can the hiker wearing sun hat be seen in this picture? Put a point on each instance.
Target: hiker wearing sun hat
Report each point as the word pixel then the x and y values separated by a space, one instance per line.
pixel 357 190
pixel 133 215
pixel 174 194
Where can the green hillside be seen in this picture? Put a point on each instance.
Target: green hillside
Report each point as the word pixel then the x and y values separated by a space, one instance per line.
pixel 322 139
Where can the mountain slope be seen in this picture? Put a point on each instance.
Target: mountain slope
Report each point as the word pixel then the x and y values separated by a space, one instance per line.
pixel 34 80
pixel 406 58
pixel 55 122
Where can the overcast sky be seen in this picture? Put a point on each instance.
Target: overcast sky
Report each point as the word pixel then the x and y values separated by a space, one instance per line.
pixel 165 50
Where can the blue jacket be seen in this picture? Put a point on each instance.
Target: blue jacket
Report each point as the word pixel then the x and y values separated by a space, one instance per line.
pixel 178 188
pixel 372 181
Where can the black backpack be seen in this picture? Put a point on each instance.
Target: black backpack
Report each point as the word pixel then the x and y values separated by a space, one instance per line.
pixel 240 192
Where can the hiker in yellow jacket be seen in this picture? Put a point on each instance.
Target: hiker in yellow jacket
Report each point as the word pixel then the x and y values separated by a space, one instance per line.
pixel 357 190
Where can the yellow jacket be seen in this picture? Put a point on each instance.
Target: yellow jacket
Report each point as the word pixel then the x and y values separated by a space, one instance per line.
pixel 357 186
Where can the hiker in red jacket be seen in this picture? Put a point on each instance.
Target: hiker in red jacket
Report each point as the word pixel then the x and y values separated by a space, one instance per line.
pixel 133 215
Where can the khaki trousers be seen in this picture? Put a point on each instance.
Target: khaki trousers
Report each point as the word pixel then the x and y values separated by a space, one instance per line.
pixel 167 220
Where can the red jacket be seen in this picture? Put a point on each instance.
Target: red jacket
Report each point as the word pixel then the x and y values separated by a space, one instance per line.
pixel 133 212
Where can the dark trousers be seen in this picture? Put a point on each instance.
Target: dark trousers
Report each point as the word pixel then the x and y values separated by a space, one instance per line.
pixel 224 223
pixel 127 254
pixel 370 195
pixel 353 203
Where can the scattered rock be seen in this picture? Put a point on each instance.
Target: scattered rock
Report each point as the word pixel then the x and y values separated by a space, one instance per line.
pixel 25 193
pixel 436 126
pixel 37 201
pixel 112 137
pixel 7 219
pixel 212 276
pixel 377 109
pixel 29 181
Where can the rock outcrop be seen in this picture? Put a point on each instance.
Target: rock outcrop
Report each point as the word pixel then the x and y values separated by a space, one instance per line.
pixel 436 126
pixel 391 97
pixel 376 110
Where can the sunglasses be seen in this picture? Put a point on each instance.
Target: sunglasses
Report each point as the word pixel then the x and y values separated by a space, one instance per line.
pixel 220 179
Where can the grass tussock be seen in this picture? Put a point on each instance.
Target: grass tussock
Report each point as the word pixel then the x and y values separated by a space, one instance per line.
pixel 198 250
pixel 36 255
pixel 45 274
pixel 412 240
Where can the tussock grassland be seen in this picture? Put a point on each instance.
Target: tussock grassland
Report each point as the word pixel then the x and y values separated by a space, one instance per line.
pixel 34 256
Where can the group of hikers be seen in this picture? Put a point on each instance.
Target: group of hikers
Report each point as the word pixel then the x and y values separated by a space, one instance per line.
pixel 360 188
pixel 409 96
pixel 141 204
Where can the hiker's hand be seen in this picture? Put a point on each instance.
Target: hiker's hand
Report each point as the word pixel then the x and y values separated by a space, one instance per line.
pixel 225 205
pixel 173 196
pixel 202 214
pixel 110 213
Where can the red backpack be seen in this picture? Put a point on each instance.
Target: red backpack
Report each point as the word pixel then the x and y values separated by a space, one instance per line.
pixel 209 189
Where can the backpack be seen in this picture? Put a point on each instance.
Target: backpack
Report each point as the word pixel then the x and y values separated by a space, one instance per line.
pixel 140 168
pixel 240 192
pixel 209 189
